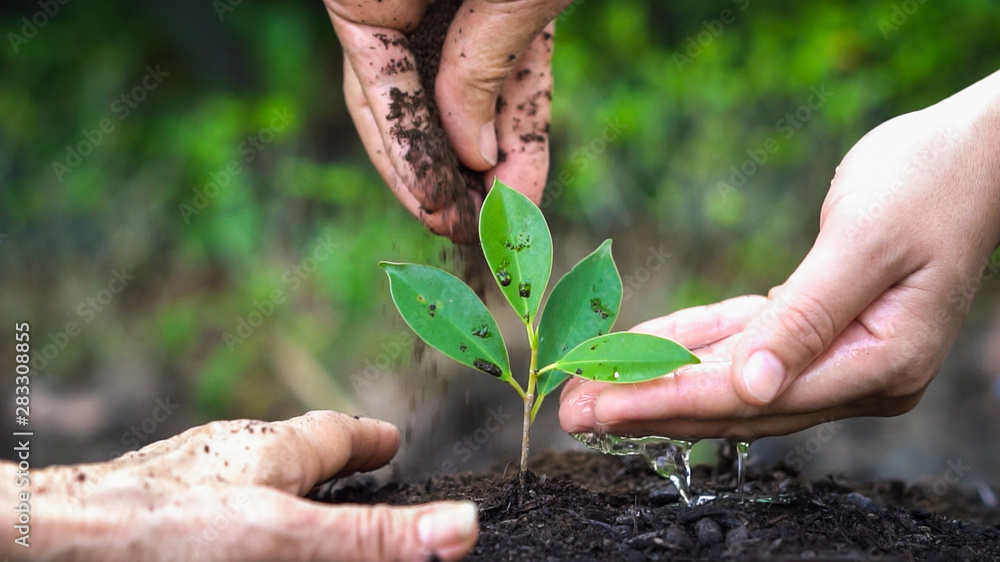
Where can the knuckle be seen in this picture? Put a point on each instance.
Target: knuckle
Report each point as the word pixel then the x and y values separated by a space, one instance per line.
pixel 475 77
pixel 809 325
pixel 377 528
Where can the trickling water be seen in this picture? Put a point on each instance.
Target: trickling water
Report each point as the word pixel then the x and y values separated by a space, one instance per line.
pixel 742 450
pixel 669 458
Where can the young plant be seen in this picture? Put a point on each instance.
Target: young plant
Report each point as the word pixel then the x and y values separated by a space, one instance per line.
pixel 573 336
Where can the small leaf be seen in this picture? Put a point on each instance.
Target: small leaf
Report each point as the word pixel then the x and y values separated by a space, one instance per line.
pixel 625 357
pixel 582 305
pixel 518 248
pixel 448 315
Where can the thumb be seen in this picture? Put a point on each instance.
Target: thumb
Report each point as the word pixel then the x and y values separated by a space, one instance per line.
pixel 437 531
pixel 484 43
pixel 842 274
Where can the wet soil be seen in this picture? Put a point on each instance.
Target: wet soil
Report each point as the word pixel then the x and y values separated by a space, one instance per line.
pixel 587 506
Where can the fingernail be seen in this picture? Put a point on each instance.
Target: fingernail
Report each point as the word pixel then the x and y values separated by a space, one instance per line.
pixel 488 143
pixel 576 412
pixel 447 525
pixel 763 375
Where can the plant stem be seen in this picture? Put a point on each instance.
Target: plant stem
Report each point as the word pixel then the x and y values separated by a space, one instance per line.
pixel 529 402
pixel 536 407
pixel 517 387
pixel 546 368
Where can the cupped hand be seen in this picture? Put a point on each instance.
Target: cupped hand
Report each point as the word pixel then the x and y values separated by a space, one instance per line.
pixel 229 490
pixel 864 323
pixel 493 90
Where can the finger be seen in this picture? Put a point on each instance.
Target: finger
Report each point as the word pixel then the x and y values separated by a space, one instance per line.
pixel 445 222
pixel 265 524
pixel 578 399
pixel 523 111
pixel 703 325
pixel 701 391
pixel 473 70
pixel 842 274
pixel 386 71
pixel 848 379
pixel 742 429
pixel 439 531
pixel 323 444
pixel 698 328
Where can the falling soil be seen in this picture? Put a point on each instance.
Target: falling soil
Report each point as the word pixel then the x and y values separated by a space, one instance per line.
pixel 587 506
pixel 442 180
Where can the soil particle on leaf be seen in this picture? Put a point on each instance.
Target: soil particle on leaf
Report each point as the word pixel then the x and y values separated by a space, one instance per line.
pixel 488 367
pixel 586 506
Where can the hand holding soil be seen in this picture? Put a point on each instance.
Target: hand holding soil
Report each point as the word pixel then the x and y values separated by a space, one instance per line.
pixel 229 490
pixel 439 134
pixel 864 323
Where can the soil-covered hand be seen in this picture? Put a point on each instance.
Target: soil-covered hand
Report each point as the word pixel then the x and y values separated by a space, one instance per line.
pixel 493 90
pixel 229 490
pixel 864 323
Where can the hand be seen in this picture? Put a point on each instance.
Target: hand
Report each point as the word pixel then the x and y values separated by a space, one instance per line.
pixel 493 48
pixel 864 323
pixel 228 491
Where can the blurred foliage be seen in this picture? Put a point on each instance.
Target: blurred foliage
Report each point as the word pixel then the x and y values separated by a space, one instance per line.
pixel 655 103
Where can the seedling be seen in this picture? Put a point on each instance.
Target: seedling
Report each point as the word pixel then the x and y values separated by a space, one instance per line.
pixel 573 336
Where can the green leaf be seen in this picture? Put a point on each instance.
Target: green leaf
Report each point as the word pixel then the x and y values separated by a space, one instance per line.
pixel 582 305
pixel 518 248
pixel 625 357
pixel 446 314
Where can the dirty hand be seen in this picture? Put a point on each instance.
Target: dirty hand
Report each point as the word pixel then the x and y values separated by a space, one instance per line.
pixel 494 48
pixel 864 323
pixel 229 490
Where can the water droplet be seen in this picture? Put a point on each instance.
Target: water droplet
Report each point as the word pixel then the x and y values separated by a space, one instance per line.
pixel 524 289
pixel 483 331
pixel 488 367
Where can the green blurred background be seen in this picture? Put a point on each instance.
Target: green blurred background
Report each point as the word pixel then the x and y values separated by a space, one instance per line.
pixel 654 105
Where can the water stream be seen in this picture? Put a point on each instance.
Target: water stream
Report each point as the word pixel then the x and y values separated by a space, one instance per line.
pixel 742 450
pixel 670 458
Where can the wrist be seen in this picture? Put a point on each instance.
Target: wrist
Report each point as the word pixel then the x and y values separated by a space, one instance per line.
pixel 976 106
pixel 971 118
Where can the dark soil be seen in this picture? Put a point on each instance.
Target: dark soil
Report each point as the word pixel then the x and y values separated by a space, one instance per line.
pixel 587 506
pixel 442 181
